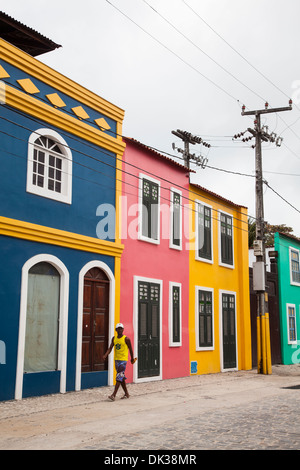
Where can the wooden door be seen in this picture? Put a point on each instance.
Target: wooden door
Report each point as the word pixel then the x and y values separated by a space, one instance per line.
pixel 229 331
pixel 148 329
pixel 95 321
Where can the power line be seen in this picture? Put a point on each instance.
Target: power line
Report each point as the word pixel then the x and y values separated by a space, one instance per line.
pixel 141 169
pixel 122 191
pixel 111 132
pixel 203 52
pixel 191 66
pixel 234 49
pixel 124 171
pixel 109 154
pixel 267 184
pixel 248 62
pixel 172 52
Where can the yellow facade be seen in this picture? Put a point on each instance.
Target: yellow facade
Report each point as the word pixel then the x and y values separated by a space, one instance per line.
pixel 208 351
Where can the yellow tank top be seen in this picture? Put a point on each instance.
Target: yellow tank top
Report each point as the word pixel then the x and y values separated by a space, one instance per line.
pixel 121 349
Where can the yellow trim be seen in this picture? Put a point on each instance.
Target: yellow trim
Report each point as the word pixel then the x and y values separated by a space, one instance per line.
pixel 28 85
pixel 37 69
pixel 3 73
pixel 80 112
pixel 56 100
pixel 36 108
pixel 41 234
pixel 102 123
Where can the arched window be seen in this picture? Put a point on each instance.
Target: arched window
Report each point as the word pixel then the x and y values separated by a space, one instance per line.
pixel 49 168
pixel 42 318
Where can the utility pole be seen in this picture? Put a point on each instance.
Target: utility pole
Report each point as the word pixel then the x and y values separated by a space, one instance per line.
pixel 188 139
pixel 264 365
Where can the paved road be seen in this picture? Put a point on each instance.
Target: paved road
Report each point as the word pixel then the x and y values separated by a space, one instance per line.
pixel 233 410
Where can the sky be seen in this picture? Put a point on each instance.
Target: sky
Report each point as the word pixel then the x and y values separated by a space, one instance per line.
pixel 190 65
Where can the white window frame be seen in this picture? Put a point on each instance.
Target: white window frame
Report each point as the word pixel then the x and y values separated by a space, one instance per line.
pixel 225 265
pixel 65 195
pixel 136 280
pixel 198 347
pixel 140 216
pixel 293 283
pixel 197 257
pixel 221 292
pixel 171 342
pixel 63 320
pixel 172 245
pixel 112 289
pixel 287 320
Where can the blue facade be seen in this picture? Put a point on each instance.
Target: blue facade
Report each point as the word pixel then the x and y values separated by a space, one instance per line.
pixel 45 229
pixel 14 254
pixel 93 181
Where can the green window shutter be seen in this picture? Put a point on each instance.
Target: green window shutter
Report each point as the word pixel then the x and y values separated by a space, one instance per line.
pixel 148 329
pixel 176 219
pixel 176 314
pixel 205 319
pixel 204 232
pixel 150 209
pixel 226 239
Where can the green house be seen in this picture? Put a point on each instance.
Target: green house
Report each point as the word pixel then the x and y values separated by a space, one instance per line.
pixel 288 261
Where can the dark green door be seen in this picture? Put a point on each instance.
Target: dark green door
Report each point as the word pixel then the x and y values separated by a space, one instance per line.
pixel 148 329
pixel 229 328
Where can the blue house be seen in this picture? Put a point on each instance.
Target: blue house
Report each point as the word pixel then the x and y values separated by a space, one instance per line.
pixel 60 166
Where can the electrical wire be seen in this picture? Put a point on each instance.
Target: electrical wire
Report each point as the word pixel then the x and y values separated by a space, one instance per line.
pixel 126 192
pixel 196 70
pixel 110 132
pixel 203 52
pixel 122 191
pixel 172 52
pixel 247 61
pixel 141 169
pixel 128 173
pixel 112 155
pixel 267 184
pixel 234 49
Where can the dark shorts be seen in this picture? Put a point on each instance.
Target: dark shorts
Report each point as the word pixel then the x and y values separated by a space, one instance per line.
pixel 120 368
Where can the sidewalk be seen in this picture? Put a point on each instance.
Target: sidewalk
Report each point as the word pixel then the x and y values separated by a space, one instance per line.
pixel 172 409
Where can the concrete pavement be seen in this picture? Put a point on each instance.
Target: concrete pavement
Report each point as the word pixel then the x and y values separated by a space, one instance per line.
pixel 232 410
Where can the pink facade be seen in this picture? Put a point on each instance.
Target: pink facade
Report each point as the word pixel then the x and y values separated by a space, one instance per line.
pixel 155 266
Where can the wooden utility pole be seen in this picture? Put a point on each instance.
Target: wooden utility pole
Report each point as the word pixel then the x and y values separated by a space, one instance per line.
pixel 188 139
pixel 264 364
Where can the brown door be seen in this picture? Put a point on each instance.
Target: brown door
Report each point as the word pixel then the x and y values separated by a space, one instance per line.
pixel 95 321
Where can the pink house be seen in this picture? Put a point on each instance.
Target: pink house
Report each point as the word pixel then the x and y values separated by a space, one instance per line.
pixel 154 297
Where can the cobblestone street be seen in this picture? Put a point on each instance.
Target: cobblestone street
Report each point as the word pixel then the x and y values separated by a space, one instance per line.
pixel 229 411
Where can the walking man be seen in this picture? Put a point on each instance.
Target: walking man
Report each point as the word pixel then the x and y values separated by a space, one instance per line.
pixel 122 344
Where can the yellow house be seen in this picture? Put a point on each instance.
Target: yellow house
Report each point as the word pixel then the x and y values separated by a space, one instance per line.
pixel 219 316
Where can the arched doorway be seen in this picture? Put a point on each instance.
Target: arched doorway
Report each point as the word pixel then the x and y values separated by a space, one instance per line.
pixel 44 303
pixel 95 320
pixel 42 318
